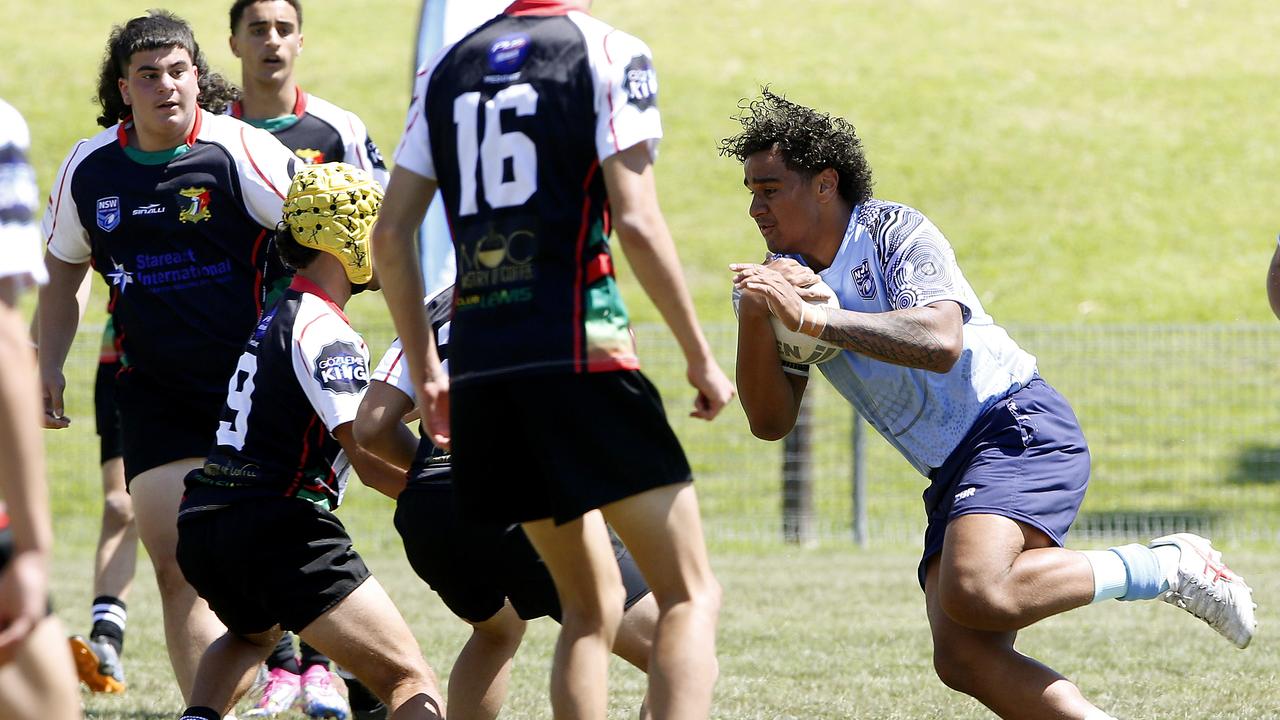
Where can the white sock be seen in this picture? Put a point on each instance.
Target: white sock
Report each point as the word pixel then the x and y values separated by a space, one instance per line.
pixel 1110 577
pixel 1168 555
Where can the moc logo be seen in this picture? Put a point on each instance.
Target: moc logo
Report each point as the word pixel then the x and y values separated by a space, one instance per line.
pixel 340 368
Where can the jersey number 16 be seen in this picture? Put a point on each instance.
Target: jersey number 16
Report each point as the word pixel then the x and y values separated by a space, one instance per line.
pixel 491 151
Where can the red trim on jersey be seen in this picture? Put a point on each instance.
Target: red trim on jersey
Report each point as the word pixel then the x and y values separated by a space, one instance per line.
pixel 258 274
pixel 540 7
pixel 302 460
pixel 302 284
pixel 600 266
pixel 122 129
pixel 252 162
pixel 299 102
pixel 609 58
pixel 61 184
pixel 578 287
pixel 4 517
pixel 387 375
pixel 195 127
pixel 237 110
pixel 122 136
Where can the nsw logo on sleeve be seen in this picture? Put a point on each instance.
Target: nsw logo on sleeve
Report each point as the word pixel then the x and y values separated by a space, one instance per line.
pixel 641 83
pixel 340 368
pixel 108 213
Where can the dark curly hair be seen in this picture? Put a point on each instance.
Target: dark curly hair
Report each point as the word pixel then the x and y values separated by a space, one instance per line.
pixel 809 141
pixel 157 29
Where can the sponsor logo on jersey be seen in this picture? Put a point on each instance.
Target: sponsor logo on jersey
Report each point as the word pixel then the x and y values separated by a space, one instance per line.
pixel 152 209
pixel 118 276
pixel 309 156
pixel 108 213
pixel 340 368
pixel 497 259
pixel 195 205
pixel 863 280
pixel 641 83
pixel 508 53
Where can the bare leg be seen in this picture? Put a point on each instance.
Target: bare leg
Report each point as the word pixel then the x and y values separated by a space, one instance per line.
pixel 366 635
pixel 663 531
pixel 972 658
pixel 40 683
pixel 580 557
pixel 227 668
pixel 117 557
pixel 189 625
pixel 478 681
pixel 635 640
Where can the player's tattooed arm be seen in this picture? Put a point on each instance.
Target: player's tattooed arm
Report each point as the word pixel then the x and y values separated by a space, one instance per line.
pixel 929 337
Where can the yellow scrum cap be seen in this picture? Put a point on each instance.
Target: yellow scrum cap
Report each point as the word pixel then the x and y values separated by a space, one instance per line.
pixel 331 207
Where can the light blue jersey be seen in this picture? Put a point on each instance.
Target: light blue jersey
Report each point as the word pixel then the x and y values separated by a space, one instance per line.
pixel 892 257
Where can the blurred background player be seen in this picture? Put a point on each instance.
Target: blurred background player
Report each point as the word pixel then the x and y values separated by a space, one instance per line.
pixel 285 446
pixel 568 126
pixel 174 206
pixel 37 681
pixel 944 384
pixel 99 657
pixel 266 35
pixel 487 574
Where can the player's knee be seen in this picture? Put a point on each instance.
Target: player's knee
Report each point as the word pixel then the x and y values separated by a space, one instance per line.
pixel 593 610
pixel 117 510
pixel 978 603
pixel 958 666
pixel 400 678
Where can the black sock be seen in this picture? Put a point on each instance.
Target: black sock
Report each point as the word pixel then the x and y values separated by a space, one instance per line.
pixel 311 656
pixel 283 657
pixel 199 712
pixel 108 621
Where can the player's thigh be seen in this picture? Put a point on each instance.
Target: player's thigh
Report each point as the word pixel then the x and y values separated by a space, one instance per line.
pixel 40 683
pixel 580 558
pixel 366 635
pixel 662 528
pixel 156 495
pixel 980 549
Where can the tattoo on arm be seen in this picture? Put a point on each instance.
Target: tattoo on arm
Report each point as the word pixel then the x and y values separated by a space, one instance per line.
pixel 900 337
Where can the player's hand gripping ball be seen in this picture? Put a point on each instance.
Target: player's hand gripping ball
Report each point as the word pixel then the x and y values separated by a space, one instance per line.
pixel 331 207
pixel 798 348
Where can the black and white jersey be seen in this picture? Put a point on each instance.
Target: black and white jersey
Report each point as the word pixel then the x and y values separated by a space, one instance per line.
pixel 19 236
pixel 317 131
pixel 430 463
pixel 183 238
pixel 302 374
pixel 513 122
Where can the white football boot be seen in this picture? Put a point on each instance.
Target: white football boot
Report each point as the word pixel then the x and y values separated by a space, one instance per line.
pixel 1208 589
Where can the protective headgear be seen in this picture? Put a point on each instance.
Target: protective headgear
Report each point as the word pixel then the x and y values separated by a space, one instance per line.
pixel 331 207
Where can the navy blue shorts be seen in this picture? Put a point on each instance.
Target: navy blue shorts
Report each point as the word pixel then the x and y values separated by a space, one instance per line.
pixel 1025 459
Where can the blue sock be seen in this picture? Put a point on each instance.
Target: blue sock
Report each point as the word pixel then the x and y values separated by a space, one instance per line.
pixel 1146 579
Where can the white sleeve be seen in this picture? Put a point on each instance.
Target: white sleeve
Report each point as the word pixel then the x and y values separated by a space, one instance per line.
pixel 361 151
pixel 922 268
pixel 20 251
pixel 266 170
pixel 414 151
pixel 66 237
pixel 331 363
pixel 626 95
pixel 394 371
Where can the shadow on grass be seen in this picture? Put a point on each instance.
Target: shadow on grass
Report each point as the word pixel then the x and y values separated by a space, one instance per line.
pixel 1256 463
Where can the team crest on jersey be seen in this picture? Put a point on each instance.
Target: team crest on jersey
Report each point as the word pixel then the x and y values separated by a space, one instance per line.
pixel 195 207
pixel 108 213
pixel 508 53
pixel 309 156
pixel 641 83
pixel 865 283
pixel 340 368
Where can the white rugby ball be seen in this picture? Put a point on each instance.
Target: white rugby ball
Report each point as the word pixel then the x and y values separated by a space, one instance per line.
pixel 798 348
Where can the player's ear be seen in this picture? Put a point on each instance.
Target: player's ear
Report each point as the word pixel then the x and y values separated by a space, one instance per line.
pixel 124 91
pixel 828 184
pixel 231 42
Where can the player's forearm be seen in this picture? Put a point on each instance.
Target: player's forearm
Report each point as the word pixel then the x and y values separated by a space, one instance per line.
pixel 920 337
pixel 60 311
pixel 395 254
pixel 22 481
pixel 769 399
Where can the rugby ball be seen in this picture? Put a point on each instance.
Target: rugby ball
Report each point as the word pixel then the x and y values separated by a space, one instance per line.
pixel 798 348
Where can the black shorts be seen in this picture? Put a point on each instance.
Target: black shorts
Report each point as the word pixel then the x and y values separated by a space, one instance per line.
pixel 106 416
pixel 474 567
pixel 269 561
pixel 558 446
pixel 159 425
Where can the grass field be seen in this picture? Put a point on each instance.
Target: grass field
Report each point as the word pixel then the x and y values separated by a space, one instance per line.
pixel 1093 163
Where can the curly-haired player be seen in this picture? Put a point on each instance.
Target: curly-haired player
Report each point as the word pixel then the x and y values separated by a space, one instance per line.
pixel 284 447
pixel 946 386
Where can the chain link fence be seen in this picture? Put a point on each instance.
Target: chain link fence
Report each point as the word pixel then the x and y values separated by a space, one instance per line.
pixel 1183 422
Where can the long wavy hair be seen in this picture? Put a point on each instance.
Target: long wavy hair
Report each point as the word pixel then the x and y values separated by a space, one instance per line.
pixel 157 29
